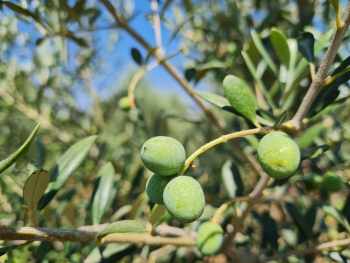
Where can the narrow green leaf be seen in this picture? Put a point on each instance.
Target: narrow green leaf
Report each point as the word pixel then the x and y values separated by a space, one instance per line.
pixel 157 214
pixel 102 192
pixel 232 180
pixel 298 220
pixel 281 119
pixel 333 106
pixel 124 226
pixel 17 8
pixel 202 70
pixel 328 94
pixel 309 135
pixel 266 56
pixel 217 101
pixel 190 73
pixel 314 152
pixel 4 164
pixel 306 43
pixel 136 55
pixel 65 167
pixel 238 94
pixel 165 7
pixel 339 217
pixel 177 29
pixel 35 187
pixel 151 52
pixel 343 65
pixel 280 45
pixel 258 80
pixel 71 12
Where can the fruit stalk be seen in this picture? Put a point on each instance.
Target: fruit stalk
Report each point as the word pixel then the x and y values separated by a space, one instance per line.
pixel 222 139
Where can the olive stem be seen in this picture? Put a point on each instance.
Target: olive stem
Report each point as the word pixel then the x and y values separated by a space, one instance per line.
pixel 321 74
pixel 218 214
pixel 222 139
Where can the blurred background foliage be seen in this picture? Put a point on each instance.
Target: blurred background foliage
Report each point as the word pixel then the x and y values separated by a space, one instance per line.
pixel 55 63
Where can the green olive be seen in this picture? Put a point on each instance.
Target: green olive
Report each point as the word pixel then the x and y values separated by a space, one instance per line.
pixel 163 155
pixel 184 199
pixel 155 187
pixel 278 154
pixel 209 238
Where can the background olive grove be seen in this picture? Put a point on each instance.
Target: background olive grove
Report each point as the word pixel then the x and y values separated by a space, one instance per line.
pixel 51 61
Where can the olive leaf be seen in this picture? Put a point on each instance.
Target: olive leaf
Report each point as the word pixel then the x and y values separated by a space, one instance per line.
pixel 314 152
pixel 217 101
pixel 123 226
pixel 306 43
pixel 238 94
pixel 280 45
pixel 157 213
pixel 35 187
pixel 202 70
pixel 65 168
pixel 339 217
pixel 4 164
pixel 280 120
pixel 232 180
pixel 102 193
pixel 299 220
pixel 136 55
pixel 307 138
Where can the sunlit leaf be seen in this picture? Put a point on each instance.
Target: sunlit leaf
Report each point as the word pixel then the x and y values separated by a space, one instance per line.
pixel 339 217
pixel 314 152
pixel 307 138
pixel 102 192
pixel 232 180
pixel 35 187
pixel 65 167
pixel 4 164
pixel 280 45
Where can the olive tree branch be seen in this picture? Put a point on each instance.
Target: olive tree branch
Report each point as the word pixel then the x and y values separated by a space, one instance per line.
pixel 321 74
pixel 72 235
pixel 218 214
pixel 156 25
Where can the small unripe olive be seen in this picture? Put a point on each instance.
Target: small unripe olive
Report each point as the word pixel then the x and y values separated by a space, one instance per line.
pixel 184 199
pixel 124 103
pixel 278 154
pixel 331 183
pixel 163 155
pixel 209 238
pixel 155 187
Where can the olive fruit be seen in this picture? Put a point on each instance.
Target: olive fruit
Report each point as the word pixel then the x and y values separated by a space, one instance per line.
pixel 184 199
pixel 124 103
pixel 155 187
pixel 163 155
pixel 331 183
pixel 278 154
pixel 209 238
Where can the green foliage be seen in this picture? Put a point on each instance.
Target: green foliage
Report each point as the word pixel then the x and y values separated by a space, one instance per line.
pixel 306 43
pixel 184 199
pixel 35 187
pixel 278 155
pixel 4 164
pixel 65 167
pixel 103 192
pixel 209 238
pixel 155 187
pixel 163 155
